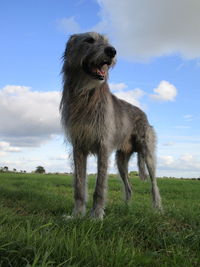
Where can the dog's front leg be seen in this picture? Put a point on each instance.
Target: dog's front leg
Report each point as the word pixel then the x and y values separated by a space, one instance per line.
pixel 101 184
pixel 80 159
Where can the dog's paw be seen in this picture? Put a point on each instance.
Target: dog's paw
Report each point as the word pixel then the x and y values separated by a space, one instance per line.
pixel 97 213
pixel 66 217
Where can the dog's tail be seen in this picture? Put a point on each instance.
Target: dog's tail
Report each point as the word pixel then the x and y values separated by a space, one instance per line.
pixel 147 153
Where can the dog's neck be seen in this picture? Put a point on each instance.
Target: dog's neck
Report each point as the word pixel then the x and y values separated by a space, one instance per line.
pixel 85 84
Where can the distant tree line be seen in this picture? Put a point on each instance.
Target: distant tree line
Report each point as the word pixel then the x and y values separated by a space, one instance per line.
pixel 6 169
pixel 39 169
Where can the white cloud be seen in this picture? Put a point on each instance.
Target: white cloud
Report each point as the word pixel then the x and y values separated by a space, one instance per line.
pixel 186 157
pixel 128 96
pixel 164 92
pixel 144 29
pixel 166 160
pixel 68 25
pixel 185 163
pixel 12 164
pixel 5 146
pixel 2 154
pixel 131 96
pixel 117 86
pixel 28 118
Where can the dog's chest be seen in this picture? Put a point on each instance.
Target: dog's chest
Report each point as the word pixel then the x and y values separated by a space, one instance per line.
pixel 88 123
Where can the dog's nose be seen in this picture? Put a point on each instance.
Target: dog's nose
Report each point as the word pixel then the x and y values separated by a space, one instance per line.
pixel 110 51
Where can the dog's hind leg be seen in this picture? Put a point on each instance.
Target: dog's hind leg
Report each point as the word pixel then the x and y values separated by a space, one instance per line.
pixel 80 159
pixel 141 166
pixel 151 169
pixel 122 159
pixel 101 184
pixel 148 151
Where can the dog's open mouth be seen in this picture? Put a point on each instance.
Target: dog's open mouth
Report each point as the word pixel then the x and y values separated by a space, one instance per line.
pixel 99 72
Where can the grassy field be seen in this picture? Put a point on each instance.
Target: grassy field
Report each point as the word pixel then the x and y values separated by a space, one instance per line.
pixel 33 231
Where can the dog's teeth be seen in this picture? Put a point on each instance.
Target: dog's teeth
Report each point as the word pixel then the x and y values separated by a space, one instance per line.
pixel 99 72
pixel 103 69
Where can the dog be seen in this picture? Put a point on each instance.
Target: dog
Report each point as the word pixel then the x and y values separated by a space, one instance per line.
pixel 97 122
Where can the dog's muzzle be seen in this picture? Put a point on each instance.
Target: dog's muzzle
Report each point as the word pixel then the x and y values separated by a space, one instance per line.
pixel 100 71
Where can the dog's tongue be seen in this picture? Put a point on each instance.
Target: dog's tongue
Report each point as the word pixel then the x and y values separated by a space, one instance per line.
pixel 103 70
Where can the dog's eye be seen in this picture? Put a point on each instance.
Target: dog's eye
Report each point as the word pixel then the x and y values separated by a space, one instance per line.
pixel 89 40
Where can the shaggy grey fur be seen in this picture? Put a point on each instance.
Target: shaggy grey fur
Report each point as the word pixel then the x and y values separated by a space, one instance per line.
pixel 97 122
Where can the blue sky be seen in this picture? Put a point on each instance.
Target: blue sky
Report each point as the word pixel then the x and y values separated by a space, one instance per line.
pixel 158 69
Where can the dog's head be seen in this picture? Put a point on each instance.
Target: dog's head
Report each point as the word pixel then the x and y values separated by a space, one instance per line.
pixel 91 53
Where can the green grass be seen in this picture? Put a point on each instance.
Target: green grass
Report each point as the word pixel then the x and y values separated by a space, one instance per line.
pixel 33 231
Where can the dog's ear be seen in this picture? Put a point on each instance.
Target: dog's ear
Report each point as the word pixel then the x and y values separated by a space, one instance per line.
pixel 69 45
pixel 72 37
pixel 71 40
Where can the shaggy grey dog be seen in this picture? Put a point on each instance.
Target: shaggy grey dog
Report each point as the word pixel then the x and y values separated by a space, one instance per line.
pixel 97 122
